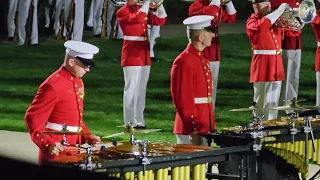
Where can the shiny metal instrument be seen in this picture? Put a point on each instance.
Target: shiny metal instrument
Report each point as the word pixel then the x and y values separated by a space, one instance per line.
pixel 223 2
pixel 154 4
pixel 295 18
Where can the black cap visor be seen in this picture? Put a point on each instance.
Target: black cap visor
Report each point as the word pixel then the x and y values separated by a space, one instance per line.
pixel 209 29
pixel 87 62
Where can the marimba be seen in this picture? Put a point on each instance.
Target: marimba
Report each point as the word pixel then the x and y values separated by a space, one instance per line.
pixel 298 145
pixel 160 161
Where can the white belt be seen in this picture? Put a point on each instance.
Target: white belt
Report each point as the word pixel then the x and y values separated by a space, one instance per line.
pixel 203 100
pixel 318 43
pixel 59 127
pixel 267 52
pixel 134 38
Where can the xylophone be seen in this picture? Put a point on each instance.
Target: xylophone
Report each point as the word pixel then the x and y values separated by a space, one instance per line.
pixel 160 161
pixel 296 142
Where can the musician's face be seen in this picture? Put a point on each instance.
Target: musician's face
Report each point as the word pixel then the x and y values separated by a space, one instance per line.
pixel 206 37
pixel 262 8
pixel 77 69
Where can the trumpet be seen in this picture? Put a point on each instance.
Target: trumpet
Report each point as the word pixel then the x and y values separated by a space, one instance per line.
pixel 223 2
pixel 154 4
pixel 295 18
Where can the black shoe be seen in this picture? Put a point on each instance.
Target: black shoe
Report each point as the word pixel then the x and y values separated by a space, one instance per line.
pixel 153 59
pixel 10 39
pixel 140 127
pixel 89 28
pixel 97 36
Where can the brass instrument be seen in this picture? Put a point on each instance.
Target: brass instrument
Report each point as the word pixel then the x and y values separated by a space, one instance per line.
pixel 69 23
pixel 222 2
pixel 295 18
pixel 154 4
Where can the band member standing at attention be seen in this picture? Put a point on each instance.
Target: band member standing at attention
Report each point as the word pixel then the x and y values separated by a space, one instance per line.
pixel 47 8
pixel 77 18
pixel 266 71
pixel 227 15
pixel 11 19
pixel 135 57
pixel 23 16
pixel 191 84
pixel 59 101
pixel 94 18
pixel 114 30
pixel 316 29
pixel 291 57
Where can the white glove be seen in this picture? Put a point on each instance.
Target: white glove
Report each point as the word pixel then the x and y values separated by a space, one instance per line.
pixel 230 8
pixel 277 13
pixel 145 6
pixel 161 12
pixel 215 2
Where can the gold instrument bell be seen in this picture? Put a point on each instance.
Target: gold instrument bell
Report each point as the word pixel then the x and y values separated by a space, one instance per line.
pixel 295 18
pixel 223 2
pixel 154 4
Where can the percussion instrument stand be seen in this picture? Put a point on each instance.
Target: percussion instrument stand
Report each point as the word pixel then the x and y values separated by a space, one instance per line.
pixel 308 129
pixel 64 141
pixel 257 120
pixel 143 145
pixel 293 130
pixel 258 139
pixel 88 165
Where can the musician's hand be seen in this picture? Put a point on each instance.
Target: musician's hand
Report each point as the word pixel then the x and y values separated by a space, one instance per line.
pixel 285 6
pixel 93 139
pixel 55 148
pixel 195 138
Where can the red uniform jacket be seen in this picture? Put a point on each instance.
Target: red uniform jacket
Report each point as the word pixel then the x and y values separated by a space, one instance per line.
pixel 201 7
pixel 59 100
pixel 316 29
pixel 191 78
pixel 264 37
pixel 134 23
pixel 291 39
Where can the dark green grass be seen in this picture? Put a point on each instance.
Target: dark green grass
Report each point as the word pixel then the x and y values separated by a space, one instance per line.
pixel 24 68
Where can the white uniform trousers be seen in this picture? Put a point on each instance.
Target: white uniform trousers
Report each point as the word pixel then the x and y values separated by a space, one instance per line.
pixel 11 17
pixel 266 94
pixel 134 97
pixel 78 22
pixel 59 5
pixel 184 139
pixel 47 13
pixel 110 11
pixel 289 89
pixel 118 30
pixel 24 6
pixel 90 15
pixel 153 33
pixel 94 18
pixel 214 66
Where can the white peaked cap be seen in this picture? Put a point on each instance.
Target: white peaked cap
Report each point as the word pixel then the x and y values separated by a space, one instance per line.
pixel 198 22
pixel 80 49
